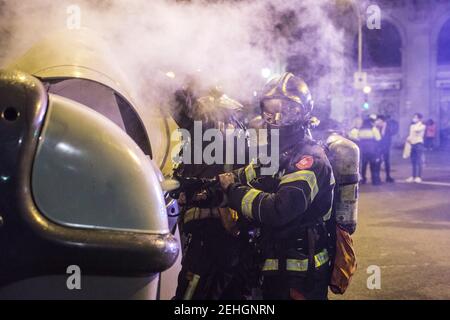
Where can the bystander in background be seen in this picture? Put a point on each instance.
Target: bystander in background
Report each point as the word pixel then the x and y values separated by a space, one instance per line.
pixel 430 134
pixel 388 128
pixel 415 142
pixel 368 138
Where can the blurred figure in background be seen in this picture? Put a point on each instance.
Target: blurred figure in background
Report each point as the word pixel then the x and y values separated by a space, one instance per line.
pixel 357 122
pixel 430 134
pixel 416 140
pixel 388 128
pixel 368 138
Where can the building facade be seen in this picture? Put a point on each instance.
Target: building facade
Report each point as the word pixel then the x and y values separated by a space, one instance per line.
pixel 407 62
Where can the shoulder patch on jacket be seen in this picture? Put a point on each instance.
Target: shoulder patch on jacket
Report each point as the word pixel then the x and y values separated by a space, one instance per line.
pixel 306 162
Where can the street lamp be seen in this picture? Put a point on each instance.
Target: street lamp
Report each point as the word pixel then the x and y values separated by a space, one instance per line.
pixel 171 74
pixel 265 73
pixel 356 9
pixel 367 89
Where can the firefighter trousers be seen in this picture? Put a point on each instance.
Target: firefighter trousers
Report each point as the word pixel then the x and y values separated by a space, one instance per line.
pixel 300 286
pixel 208 264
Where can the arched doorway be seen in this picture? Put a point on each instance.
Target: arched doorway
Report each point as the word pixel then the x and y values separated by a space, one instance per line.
pixel 443 82
pixel 381 47
pixel 443 57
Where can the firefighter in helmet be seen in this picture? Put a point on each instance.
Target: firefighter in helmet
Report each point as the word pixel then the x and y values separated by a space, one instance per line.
pixel 293 205
pixel 211 240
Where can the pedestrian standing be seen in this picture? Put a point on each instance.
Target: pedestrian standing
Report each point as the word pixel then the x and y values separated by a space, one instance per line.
pixel 388 128
pixel 430 134
pixel 416 140
pixel 368 140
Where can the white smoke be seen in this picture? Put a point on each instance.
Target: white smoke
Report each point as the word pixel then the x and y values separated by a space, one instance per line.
pixel 161 43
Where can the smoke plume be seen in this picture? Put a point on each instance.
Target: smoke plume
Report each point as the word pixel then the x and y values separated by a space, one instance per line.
pixel 161 43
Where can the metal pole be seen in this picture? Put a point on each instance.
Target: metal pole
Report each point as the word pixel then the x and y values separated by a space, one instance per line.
pixel 360 43
pixel 360 38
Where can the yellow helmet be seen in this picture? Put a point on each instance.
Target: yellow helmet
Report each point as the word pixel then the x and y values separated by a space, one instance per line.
pixel 217 107
pixel 298 103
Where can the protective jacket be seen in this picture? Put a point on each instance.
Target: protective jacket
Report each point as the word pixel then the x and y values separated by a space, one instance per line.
pixel 211 255
pixel 291 207
pixel 369 140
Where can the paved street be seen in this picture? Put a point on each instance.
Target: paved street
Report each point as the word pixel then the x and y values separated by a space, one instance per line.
pixel 405 230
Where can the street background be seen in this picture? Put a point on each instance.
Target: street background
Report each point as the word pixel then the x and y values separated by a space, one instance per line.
pixel 405 230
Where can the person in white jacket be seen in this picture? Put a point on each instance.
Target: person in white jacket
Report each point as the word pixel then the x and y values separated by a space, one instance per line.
pixel 416 140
